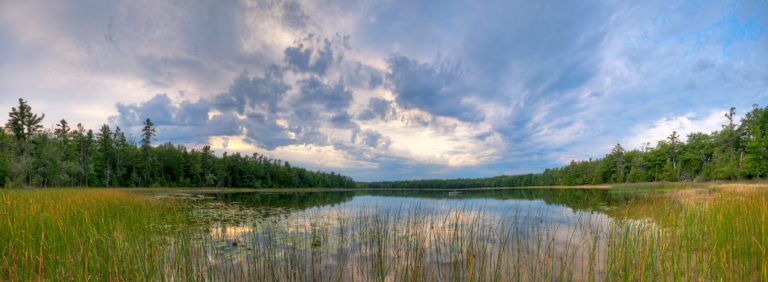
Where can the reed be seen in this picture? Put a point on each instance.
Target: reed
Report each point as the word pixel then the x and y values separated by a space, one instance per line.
pixel 705 233
pixel 83 234
pixel 702 234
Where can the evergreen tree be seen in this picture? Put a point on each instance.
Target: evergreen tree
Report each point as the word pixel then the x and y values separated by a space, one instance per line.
pixel 23 122
pixel 106 151
pixel 62 130
pixel 33 156
pixel 754 129
pixel 147 133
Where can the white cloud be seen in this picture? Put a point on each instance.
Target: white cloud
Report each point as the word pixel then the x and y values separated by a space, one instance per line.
pixel 443 141
pixel 546 99
pixel 684 125
pixel 306 155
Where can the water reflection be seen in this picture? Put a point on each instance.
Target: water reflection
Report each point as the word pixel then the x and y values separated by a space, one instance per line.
pixel 592 200
pixel 506 234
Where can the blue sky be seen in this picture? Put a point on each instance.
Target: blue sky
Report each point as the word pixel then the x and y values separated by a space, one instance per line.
pixel 391 89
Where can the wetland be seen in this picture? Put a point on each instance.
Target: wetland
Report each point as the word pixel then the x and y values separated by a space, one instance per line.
pixel 625 232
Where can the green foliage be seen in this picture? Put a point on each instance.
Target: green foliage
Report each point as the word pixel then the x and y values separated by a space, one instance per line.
pixel 754 132
pixel 61 157
pixel 738 151
pixel 147 133
pixel 84 234
pixel 22 121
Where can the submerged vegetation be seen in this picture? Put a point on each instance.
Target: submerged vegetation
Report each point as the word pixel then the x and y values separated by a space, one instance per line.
pixel 33 156
pixel 710 232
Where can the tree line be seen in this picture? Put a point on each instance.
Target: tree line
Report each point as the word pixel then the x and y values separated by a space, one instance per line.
pixel 33 156
pixel 738 151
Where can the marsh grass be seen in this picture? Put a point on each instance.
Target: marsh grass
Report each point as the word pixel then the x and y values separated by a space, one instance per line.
pixel 84 234
pixel 703 234
pixel 714 233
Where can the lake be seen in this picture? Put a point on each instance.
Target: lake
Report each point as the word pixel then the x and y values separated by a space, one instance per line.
pixel 646 232
pixel 394 235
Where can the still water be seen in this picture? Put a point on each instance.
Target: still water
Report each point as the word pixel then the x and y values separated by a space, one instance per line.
pixel 395 235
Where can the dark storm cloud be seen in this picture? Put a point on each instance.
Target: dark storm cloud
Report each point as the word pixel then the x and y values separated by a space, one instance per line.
pixel 158 108
pixel 374 139
pixel 332 97
pixel 265 132
pixel 324 59
pixel 317 103
pixel 218 125
pixel 300 58
pixel 262 93
pixel 269 134
pixel 187 121
pixel 343 120
pixel 255 97
pixel 435 88
pixel 377 108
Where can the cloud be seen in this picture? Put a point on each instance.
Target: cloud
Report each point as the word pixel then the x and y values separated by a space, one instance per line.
pixel 186 121
pixel 294 16
pixel 377 107
pixel 683 125
pixel 374 139
pixel 159 109
pixel 265 132
pixel 343 120
pixel 261 93
pixel 266 110
pixel 332 97
pixel 436 88
pixel 298 57
pixel 391 89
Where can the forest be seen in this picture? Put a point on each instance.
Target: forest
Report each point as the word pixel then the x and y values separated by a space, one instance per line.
pixel 738 151
pixel 33 156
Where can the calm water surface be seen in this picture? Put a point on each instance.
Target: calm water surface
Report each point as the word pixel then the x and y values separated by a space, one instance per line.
pixel 394 235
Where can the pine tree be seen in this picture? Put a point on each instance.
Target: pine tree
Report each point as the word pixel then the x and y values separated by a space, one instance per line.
pixel 147 133
pixel 23 122
pixel 106 148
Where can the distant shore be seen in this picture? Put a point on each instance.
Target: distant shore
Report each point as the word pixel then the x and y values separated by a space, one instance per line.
pixel 602 186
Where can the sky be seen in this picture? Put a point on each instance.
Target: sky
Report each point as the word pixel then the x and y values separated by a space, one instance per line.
pixel 394 89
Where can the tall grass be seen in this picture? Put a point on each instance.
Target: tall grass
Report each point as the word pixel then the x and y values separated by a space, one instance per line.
pixel 703 234
pixel 83 234
pixel 414 244
pixel 96 234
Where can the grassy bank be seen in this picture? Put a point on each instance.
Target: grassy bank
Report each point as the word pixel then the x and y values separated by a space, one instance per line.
pixel 84 234
pixel 700 232
pixel 716 233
